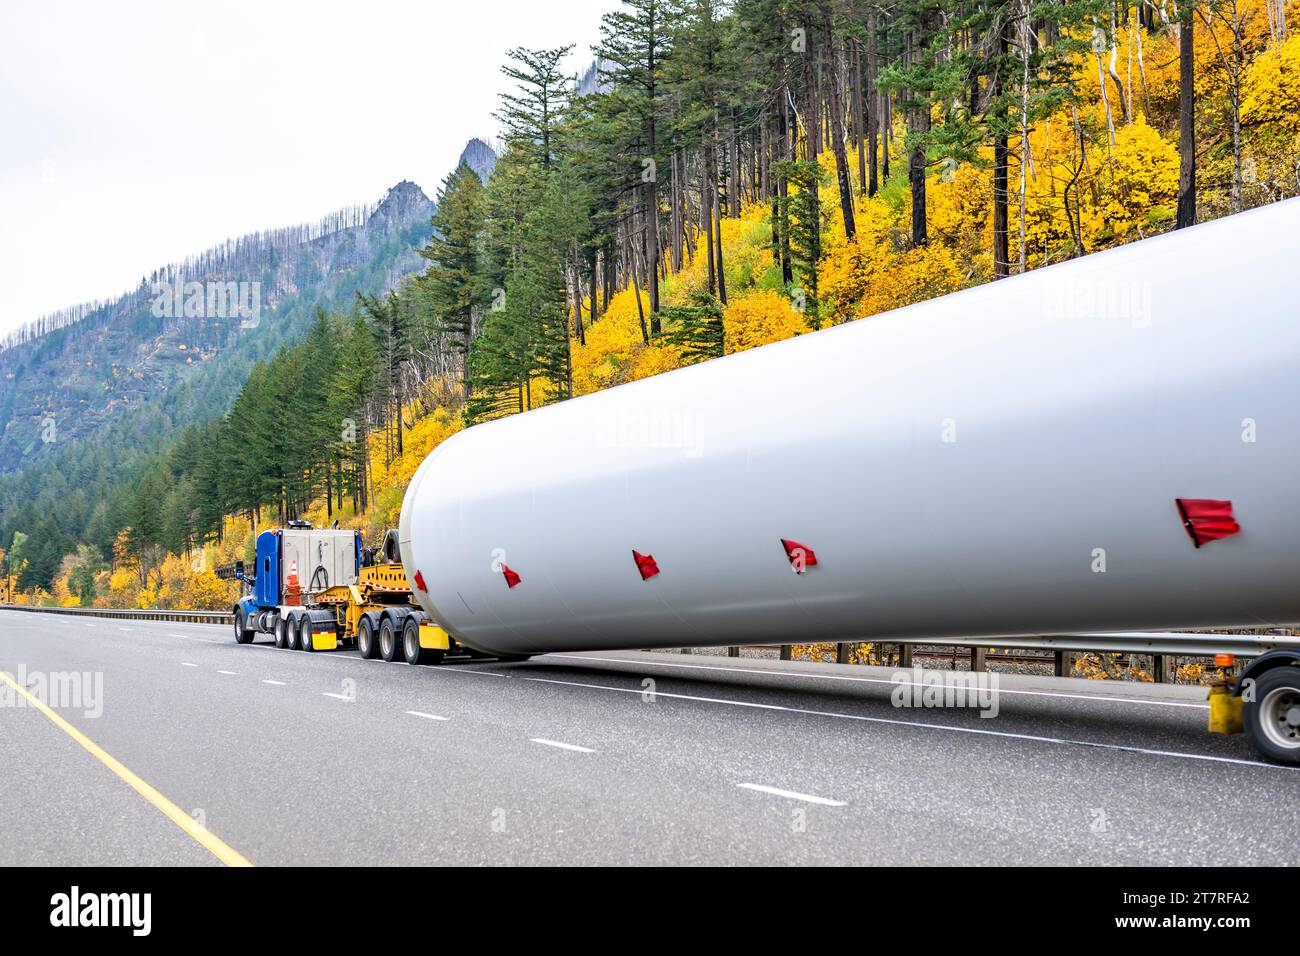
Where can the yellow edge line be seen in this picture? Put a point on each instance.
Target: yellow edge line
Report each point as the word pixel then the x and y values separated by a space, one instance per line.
pixel 199 834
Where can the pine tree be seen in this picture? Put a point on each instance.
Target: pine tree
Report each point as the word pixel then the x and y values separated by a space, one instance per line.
pixel 634 44
pixel 802 208
pixel 455 281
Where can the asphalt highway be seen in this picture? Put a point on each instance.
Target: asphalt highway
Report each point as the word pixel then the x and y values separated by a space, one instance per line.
pixel 185 748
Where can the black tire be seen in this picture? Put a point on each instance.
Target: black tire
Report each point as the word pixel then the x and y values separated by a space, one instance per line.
pixel 283 627
pixel 367 642
pixel 291 630
pixel 1272 719
pixel 306 631
pixel 411 649
pixel 242 634
pixel 390 644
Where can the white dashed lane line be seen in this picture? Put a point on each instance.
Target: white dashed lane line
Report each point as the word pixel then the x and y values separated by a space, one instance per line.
pixel 791 794
pixel 343 697
pixel 188 664
pixel 420 713
pixel 562 746
pixel 229 673
pixel 275 683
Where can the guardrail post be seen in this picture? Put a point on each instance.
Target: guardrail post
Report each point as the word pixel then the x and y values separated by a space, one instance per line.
pixel 842 653
pixel 785 651
pixel 904 655
pixel 1159 668
pixel 977 659
pixel 733 651
pixel 1064 663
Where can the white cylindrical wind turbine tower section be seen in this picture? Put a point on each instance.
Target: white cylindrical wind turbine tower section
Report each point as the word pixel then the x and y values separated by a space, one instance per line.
pixel 1004 460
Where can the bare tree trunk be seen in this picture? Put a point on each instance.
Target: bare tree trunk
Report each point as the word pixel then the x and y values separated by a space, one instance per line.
pixel 1025 153
pixel 706 214
pixel 722 278
pixel 859 123
pixel 873 111
pixel 1186 117
pixel 1001 247
pixel 837 124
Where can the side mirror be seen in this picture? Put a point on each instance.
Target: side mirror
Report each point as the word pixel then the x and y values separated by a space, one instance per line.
pixel 239 568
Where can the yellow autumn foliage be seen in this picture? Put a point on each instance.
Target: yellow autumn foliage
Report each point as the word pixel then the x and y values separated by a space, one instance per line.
pixel 1271 97
pixel 759 318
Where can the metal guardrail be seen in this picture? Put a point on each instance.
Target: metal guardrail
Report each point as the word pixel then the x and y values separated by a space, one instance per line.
pixel 131 614
pixel 1181 643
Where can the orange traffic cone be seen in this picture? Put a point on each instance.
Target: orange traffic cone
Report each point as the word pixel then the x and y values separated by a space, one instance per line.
pixel 292 593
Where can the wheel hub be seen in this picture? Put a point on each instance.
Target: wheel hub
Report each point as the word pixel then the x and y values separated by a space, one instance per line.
pixel 1280 710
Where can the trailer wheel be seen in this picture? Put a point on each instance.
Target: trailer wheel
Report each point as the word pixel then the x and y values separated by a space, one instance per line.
pixel 1273 719
pixel 291 631
pixel 411 649
pixel 367 646
pixel 389 645
pixel 283 630
pixel 306 634
pixel 242 634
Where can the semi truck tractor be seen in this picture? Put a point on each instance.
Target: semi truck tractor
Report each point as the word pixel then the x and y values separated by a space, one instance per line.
pixel 316 589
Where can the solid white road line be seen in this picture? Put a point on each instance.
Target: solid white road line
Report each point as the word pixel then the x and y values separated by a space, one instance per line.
pixel 1066 741
pixel 874 680
pixel 790 794
pixel 276 683
pixel 562 746
pixel 420 713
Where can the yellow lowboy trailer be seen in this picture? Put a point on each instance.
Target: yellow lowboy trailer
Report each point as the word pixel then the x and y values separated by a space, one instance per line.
pixel 379 615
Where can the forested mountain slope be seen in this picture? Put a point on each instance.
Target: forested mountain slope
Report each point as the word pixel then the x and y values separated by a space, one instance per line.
pixel 88 396
pixel 123 364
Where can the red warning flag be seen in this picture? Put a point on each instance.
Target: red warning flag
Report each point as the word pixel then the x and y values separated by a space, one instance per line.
pixel 800 556
pixel 511 578
pixel 645 563
pixel 1207 519
pixel 419 580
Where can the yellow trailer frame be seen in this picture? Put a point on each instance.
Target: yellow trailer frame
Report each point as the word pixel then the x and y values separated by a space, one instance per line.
pixel 378 588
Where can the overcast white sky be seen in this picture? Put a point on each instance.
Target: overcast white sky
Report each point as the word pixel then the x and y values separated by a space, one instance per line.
pixel 135 133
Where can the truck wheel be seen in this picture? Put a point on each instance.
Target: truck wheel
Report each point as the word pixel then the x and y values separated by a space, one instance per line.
pixel 411 649
pixel 306 633
pixel 389 645
pixel 291 632
pixel 283 628
pixel 367 646
pixel 1273 719
pixel 242 634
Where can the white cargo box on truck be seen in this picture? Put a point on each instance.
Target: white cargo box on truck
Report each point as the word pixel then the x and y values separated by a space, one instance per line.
pixel 322 559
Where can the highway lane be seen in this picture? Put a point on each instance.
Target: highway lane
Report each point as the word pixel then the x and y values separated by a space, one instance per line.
pixel 294 758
